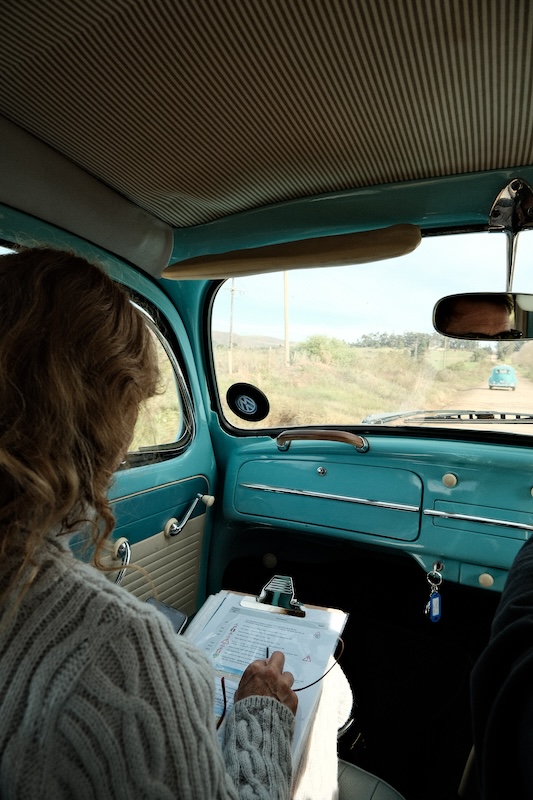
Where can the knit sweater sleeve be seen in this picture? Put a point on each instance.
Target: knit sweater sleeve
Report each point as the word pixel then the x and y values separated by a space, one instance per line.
pixel 257 748
pixel 101 700
pixel 140 724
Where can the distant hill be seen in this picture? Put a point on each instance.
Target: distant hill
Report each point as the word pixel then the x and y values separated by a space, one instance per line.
pixel 221 339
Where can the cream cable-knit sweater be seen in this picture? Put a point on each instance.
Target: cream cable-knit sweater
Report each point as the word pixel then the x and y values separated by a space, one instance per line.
pixel 100 699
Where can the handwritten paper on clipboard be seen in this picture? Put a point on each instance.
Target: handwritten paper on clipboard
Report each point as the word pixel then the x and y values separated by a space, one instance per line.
pixel 233 634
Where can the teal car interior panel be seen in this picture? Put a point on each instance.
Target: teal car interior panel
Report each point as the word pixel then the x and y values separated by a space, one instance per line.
pixel 373 500
pixel 426 203
pixel 483 576
pixel 477 575
pixel 146 513
pixel 477 479
pixel 507 522
pixel 465 546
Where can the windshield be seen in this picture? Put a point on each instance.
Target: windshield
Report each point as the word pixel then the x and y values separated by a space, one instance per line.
pixel 356 345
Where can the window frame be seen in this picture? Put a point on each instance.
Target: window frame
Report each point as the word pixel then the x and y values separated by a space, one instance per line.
pixel 403 431
pixel 162 331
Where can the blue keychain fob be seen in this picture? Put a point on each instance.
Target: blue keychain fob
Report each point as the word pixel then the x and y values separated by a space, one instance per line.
pixel 434 606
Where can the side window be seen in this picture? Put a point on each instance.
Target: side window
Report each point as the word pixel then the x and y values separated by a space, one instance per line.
pixel 165 424
pixel 159 418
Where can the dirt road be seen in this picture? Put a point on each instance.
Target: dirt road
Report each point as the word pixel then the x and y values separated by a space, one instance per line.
pixel 482 398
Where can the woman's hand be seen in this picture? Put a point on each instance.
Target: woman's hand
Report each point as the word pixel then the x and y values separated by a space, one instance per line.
pixel 266 677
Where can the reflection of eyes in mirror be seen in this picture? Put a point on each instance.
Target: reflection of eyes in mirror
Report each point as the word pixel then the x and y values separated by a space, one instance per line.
pixel 478 316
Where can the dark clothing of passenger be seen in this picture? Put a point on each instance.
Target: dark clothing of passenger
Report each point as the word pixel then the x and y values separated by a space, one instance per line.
pixel 502 691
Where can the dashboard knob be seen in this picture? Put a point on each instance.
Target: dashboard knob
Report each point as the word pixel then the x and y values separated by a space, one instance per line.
pixel 450 480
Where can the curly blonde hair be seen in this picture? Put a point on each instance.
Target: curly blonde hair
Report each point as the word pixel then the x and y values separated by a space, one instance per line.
pixel 76 361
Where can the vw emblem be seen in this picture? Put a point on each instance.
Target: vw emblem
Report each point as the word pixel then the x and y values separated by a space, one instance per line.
pixel 245 404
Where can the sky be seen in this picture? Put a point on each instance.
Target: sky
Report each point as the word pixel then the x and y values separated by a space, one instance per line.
pixel 392 296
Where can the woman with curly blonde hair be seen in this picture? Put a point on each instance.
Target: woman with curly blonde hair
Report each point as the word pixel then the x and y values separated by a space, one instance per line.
pixel 98 697
pixel 76 361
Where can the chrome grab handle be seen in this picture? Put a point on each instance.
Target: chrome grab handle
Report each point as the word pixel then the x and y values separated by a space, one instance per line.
pixel 285 438
pixel 173 527
pixel 122 552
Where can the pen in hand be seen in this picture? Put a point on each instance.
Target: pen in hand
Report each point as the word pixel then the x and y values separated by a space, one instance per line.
pixel 268 678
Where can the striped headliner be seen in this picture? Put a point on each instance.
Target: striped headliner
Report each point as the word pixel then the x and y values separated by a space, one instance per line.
pixel 203 108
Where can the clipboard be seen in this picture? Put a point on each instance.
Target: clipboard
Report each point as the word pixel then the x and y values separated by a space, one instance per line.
pixel 278 595
pixel 234 629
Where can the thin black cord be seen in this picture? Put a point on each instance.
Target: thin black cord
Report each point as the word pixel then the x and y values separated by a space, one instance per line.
pixel 221 718
pixel 223 682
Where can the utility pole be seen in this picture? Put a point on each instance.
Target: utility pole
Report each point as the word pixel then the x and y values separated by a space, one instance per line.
pixel 233 291
pixel 286 315
pixel 230 343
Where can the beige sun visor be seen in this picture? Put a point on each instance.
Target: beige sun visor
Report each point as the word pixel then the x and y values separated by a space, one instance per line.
pixel 325 251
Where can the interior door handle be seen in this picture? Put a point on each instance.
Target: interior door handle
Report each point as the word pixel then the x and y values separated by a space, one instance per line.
pixel 122 552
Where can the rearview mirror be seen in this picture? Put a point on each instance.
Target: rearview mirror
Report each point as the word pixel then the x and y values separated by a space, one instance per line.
pixel 487 316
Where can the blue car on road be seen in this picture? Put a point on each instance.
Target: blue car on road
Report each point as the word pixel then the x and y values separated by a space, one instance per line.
pixel 502 377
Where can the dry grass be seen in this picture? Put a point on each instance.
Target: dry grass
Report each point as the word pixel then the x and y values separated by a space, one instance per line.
pixel 340 385
pixel 345 388
pixel 159 418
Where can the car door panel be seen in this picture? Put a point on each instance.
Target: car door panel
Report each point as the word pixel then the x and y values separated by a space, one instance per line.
pixel 166 566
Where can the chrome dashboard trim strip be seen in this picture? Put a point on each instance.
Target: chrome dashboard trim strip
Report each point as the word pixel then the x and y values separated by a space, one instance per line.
pixel 503 523
pixel 322 496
